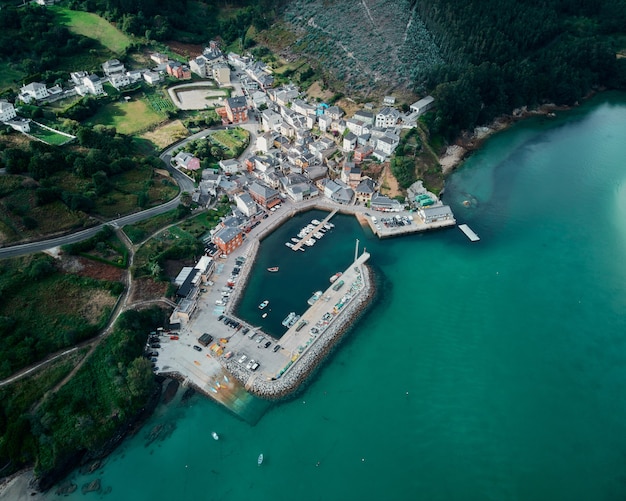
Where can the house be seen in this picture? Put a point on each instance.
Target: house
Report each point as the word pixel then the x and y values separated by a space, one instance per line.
pixel 119 80
pixel 228 239
pixel 283 95
pixel 384 203
pixel 93 84
pixel 338 191
pixel 389 100
pixel 357 126
pixel 178 70
pixel 237 109
pixel 33 91
pixel 230 166
pixel 349 142
pixel 387 117
pixel 159 58
pixel 302 107
pixel 435 213
pixel 221 73
pixel 264 195
pixel 246 204
pixel 239 62
pixel 271 120
pixel 365 116
pixel 385 146
pixel 78 76
pixel 351 174
pixel 260 73
pixel 184 160
pixel 113 67
pixel 335 112
pixel 7 111
pixel 361 153
pixel 152 77
pixel 423 105
pixel 324 122
pixel 199 67
pixel 365 190
pixel 259 99
pixel 265 142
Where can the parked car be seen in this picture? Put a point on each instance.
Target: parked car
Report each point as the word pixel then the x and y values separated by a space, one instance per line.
pixel 276 348
pixel 196 347
pixel 267 345
pixel 242 359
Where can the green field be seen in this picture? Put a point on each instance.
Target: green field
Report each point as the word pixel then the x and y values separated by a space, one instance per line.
pixel 232 140
pixel 159 103
pixel 48 136
pixel 93 26
pixel 127 117
pixel 10 77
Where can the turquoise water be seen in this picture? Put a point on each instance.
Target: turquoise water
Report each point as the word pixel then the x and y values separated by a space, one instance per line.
pixel 486 371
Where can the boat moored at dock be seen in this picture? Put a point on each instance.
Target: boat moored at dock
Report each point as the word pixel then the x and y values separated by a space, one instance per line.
pixel 335 277
pixel 316 295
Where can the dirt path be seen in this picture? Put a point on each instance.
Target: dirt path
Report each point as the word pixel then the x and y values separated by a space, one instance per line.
pixel 389 184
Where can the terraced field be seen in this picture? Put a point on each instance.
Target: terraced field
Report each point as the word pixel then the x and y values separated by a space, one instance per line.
pixel 372 45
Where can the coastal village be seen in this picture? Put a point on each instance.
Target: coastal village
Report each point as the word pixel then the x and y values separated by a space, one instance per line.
pixel 304 155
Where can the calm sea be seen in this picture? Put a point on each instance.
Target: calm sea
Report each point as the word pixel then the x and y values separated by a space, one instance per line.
pixel 486 371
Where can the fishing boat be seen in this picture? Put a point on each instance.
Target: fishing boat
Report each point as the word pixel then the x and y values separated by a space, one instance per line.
pixel 273 269
pixel 215 436
pixel 259 460
pixel 335 276
pixel 314 297
pixel 291 319
pixel 263 304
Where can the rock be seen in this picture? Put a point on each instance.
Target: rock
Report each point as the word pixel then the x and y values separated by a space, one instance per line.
pixel 92 486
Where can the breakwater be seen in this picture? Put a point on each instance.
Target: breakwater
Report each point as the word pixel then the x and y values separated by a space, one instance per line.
pixel 312 358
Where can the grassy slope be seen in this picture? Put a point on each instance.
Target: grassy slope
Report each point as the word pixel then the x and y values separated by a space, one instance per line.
pixel 128 118
pixel 93 26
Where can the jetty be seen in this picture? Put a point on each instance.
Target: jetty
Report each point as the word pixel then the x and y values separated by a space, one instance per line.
pixel 316 229
pixel 469 233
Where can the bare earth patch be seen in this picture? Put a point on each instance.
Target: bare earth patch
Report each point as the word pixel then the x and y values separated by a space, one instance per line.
pixel 93 269
pixel 388 183
pixel 315 91
pixel 99 300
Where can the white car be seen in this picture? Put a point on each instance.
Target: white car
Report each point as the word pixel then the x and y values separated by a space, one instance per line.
pixel 242 359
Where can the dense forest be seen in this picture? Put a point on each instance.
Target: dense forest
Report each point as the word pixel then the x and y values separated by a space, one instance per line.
pixel 501 55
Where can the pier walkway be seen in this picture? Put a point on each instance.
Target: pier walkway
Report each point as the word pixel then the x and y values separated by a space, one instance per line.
pixel 316 229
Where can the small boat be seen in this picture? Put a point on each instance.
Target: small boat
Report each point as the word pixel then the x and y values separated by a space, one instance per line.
pixel 273 269
pixel 259 460
pixel 295 240
pixel 263 304
pixel 314 298
pixel 289 244
pixel 290 319
pixel 264 315
pixel 310 242
pixel 315 222
pixel 335 276
pixel 318 235
pixel 215 436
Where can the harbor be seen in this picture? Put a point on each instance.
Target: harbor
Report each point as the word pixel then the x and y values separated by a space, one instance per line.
pixel 248 357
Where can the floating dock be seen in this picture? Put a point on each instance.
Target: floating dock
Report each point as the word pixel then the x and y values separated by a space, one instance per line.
pixel 469 233
pixel 317 228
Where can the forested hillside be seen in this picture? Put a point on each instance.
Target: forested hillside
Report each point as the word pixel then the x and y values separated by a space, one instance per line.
pixel 508 53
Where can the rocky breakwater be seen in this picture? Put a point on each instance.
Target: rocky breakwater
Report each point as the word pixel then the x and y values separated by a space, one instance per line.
pixel 312 357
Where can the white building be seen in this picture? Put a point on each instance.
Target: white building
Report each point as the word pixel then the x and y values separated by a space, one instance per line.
pixel 119 80
pixel 113 67
pixel 7 111
pixel 221 73
pixel 349 142
pixel 34 91
pixel 93 84
pixel 245 204
pixel 231 166
pixel 324 122
pixel 271 121
pixel 152 77
pixel 423 105
pixel 387 117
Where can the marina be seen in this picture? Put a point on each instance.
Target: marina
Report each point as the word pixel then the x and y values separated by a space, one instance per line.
pixel 314 228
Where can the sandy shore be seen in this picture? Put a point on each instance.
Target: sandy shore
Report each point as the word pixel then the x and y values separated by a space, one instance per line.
pixel 17 487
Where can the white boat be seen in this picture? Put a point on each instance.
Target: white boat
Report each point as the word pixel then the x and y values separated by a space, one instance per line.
pixel 264 315
pixel 263 304
pixel 318 235
pixel 310 242
pixel 259 461
pixel 291 319
pixel 215 436
pixel 327 226
pixel 289 244
pixel 295 240
pixel 315 222
pixel 335 277
pixel 314 297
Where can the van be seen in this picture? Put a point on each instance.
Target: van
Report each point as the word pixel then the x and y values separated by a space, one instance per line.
pixel 219 303
pixel 252 334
